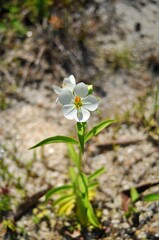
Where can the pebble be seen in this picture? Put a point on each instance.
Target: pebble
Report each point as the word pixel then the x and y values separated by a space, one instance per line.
pixel 1 153
pixel 142 235
pixel 125 225
pixel 105 212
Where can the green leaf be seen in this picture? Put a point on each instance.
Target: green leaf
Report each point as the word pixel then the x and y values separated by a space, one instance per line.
pixel 91 216
pixel 93 185
pixel 64 199
pixel 3 27
pixel 73 155
pixel 96 174
pixel 97 129
pixel 56 139
pixel 66 207
pixel 151 197
pixel 73 175
pixel 134 194
pixel 82 183
pixel 36 219
pixel 85 211
pixel 82 211
pixel 57 190
pixel 81 131
pixel 14 9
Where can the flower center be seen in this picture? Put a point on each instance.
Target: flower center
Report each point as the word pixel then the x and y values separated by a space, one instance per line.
pixel 78 102
pixel 64 85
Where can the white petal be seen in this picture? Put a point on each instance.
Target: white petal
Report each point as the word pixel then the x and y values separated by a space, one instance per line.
pixel 65 97
pixel 72 79
pixel 81 90
pixel 82 115
pixel 69 111
pixel 57 89
pixel 90 103
pixel 69 83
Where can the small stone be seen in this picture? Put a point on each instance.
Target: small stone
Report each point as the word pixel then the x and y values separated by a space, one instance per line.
pixel 142 235
pixel 29 34
pixel 105 212
pixel 115 221
pixel 125 225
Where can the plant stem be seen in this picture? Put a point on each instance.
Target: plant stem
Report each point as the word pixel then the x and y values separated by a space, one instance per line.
pixel 80 161
pixel 81 132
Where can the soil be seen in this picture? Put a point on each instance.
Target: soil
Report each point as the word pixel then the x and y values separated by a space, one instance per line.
pixel 113 45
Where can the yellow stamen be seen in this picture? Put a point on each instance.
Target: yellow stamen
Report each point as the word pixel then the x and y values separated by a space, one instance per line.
pixel 78 101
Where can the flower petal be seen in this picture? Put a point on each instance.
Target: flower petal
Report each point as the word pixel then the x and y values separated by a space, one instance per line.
pixel 69 111
pixel 65 97
pixel 69 83
pixel 57 89
pixel 90 103
pixel 82 115
pixel 81 90
pixel 72 80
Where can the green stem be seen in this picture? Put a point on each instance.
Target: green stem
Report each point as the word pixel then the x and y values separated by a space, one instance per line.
pixel 81 133
pixel 80 161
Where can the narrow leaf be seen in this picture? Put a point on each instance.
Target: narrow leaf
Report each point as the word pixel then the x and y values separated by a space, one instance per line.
pixel 73 155
pixel 97 129
pixel 91 216
pixel 82 183
pixel 82 211
pixel 151 197
pixel 73 175
pixel 57 190
pixel 96 174
pixel 91 194
pixel 66 208
pixel 134 194
pixel 56 139
pixel 64 199
pixel 93 185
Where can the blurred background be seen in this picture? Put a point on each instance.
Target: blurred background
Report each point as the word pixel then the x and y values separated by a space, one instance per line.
pixel 112 44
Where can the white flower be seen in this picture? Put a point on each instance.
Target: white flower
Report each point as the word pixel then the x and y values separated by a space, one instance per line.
pixel 77 104
pixel 68 84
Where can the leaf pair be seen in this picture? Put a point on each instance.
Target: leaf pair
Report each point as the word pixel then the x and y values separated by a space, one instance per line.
pixel 135 196
pixel 83 137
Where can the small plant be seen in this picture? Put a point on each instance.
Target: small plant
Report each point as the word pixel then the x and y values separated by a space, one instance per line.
pixel 77 101
pixel 4 204
pixel 16 15
pixel 156 103
pixel 3 101
pixel 5 198
pixel 40 214
pixel 135 196
pixel 38 9
pixel 132 211
pixel 119 58
pixel 148 115
pixel 12 18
